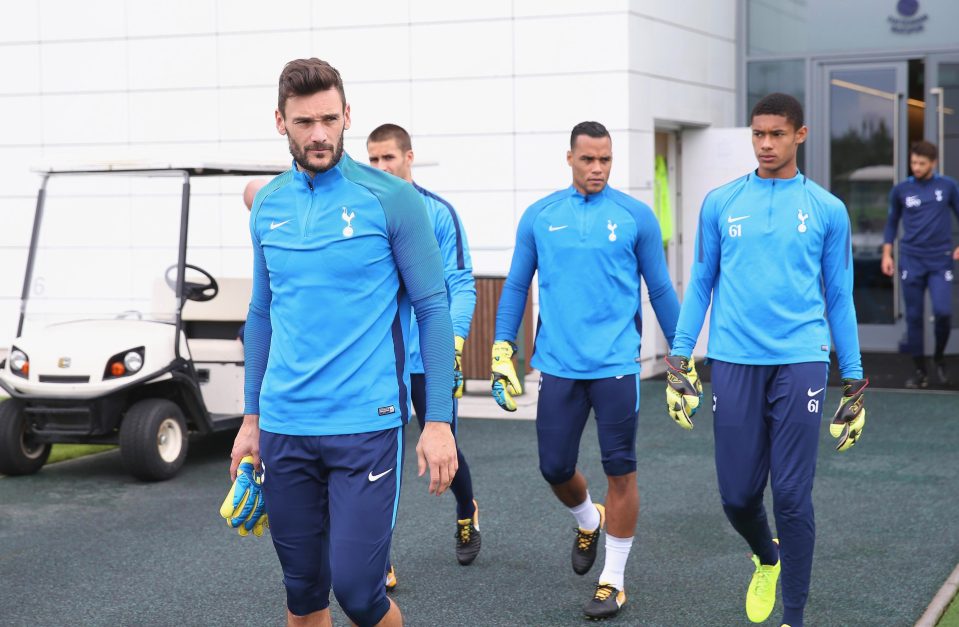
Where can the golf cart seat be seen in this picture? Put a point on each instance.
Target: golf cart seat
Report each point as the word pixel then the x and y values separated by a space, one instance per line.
pixel 211 326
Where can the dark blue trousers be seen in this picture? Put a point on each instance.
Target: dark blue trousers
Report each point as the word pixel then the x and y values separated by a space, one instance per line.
pixel 936 275
pixel 766 426
pixel 462 486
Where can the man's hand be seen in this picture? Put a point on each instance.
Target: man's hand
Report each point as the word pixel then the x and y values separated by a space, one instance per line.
pixel 888 265
pixel 504 379
pixel 684 390
pixel 850 417
pixel 458 382
pixel 955 254
pixel 244 507
pixel 436 451
pixel 247 442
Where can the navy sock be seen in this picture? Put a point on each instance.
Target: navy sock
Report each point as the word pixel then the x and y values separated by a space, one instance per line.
pixel 462 488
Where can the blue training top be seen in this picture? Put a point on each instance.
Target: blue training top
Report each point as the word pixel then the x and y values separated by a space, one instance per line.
pixel 776 257
pixel 590 252
pixel 457 269
pixel 923 207
pixel 337 260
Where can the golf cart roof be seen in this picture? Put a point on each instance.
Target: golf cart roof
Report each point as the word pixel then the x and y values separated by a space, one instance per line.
pixel 168 169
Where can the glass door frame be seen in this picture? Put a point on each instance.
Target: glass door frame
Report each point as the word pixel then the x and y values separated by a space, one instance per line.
pixel 872 337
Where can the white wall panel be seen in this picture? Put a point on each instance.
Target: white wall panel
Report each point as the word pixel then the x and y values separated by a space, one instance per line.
pixel 81 66
pixel 253 15
pixel 454 106
pixel 366 13
pixel 532 8
pixel 83 118
pixel 372 104
pixel 173 63
pixel 716 17
pixel 424 11
pixel 16 215
pixel 541 160
pixel 190 116
pixel 21 69
pixel 470 163
pixel 365 54
pixel 257 59
pixel 247 113
pixel 668 51
pixel 20 23
pixel 16 179
pixel 558 46
pixel 557 103
pixel 21 120
pixel 170 17
pixel 462 50
pixel 91 19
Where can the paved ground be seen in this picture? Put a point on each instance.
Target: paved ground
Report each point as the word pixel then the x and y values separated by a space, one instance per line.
pixel 83 544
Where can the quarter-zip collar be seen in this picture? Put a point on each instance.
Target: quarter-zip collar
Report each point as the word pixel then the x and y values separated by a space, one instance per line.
pixel 321 180
pixel 779 184
pixel 588 198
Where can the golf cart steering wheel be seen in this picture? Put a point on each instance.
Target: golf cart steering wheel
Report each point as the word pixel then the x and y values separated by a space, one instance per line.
pixel 199 292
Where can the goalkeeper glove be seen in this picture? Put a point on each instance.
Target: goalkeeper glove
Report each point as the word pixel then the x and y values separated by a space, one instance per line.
pixel 850 416
pixel 458 382
pixel 684 390
pixel 243 508
pixel 504 379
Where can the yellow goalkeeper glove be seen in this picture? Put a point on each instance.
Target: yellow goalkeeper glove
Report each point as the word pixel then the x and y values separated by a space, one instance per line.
pixel 684 390
pixel 504 379
pixel 244 508
pixel 458 381
pixel 850 416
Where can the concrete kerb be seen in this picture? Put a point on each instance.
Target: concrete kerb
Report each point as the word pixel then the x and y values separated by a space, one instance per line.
pixel 941 601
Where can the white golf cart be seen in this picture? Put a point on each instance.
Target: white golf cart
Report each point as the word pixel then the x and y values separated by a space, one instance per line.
pixel 120 340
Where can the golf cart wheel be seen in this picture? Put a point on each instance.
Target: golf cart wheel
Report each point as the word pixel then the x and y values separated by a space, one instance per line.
pixel 19 453
pixel 153 439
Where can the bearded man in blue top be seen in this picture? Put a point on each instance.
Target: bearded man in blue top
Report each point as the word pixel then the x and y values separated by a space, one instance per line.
pixel 590 244
pixel 340 253
pixel 773 253
pixel 924 203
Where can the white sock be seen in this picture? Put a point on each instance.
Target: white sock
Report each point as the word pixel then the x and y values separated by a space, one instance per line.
pixel 587 516
pixel 617 551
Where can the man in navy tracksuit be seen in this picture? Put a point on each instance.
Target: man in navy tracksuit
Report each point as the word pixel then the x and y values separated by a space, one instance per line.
pixel 390 149
pixel 773 254
pixel 923 203
pixel 590 244
pixel 340 253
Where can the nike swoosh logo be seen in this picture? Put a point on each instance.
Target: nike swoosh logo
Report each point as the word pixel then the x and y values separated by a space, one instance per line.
pixel 373 477
pixel 276 225
pixel 809 391
pixel 557 228
pixel 732 219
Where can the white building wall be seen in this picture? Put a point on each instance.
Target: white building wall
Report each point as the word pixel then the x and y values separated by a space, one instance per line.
pixel 489 91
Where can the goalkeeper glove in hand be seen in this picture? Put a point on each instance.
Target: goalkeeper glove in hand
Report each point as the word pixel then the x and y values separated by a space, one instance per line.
pixel 458 381
pixel 850 416
pixel 504 379
pixel 244 506
pixel 684 390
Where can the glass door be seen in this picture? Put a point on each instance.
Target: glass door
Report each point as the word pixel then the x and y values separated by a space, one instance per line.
pixel 860 147
pixel 942 128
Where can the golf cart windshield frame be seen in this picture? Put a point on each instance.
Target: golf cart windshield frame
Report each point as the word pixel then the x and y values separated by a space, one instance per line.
pixel 140 170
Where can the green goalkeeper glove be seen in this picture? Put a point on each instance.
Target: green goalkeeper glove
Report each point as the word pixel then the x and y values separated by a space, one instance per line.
pixel 684 390
pixel 850 416
pixel 244 507
pixel 504 379
pixel 458 382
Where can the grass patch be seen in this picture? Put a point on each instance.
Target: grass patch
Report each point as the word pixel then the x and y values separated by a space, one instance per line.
pixel 951 617
pixel 63 452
